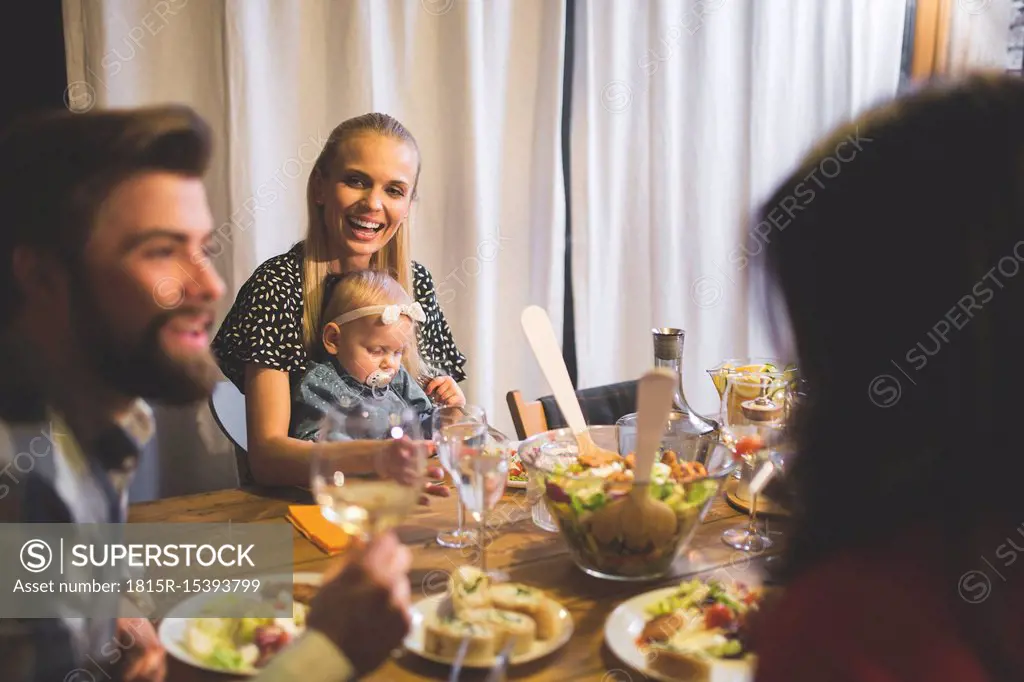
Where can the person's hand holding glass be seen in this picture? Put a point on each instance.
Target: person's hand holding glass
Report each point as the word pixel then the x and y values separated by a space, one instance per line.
pixel 451 424
pixel 364 506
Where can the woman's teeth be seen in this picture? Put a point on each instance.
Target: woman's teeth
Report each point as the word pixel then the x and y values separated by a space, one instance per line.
pixel 366 225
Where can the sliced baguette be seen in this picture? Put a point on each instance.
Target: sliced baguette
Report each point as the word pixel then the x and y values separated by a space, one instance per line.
pixel 470 589
pixel 508 626
pixel 444 637
pixel 531 602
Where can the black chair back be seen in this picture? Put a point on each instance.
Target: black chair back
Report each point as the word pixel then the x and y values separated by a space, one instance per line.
pixel 600 404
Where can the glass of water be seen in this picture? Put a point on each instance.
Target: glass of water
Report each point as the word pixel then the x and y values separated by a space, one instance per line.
pixel 480 473
pixel 449 424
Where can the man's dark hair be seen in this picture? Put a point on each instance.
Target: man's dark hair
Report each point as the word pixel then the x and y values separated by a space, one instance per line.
pixel 57 169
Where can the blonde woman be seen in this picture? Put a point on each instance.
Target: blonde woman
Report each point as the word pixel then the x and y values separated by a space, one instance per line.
pixel 359 197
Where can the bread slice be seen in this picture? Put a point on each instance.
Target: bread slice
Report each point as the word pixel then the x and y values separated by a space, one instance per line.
pixel 470 589
pixel 508 626
pixel 443 638
pixel 531 602
pixel 684 666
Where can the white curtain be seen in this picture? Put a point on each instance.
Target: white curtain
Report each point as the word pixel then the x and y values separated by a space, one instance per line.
pixel 685 115
pixel 979 35
pixel 477 82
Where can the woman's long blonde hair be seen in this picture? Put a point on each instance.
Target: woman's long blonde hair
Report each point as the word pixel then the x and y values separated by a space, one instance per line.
pixel 363 288
pixel 392 259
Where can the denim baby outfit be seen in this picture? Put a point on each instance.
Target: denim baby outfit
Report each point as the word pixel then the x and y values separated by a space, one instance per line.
pixel 327 387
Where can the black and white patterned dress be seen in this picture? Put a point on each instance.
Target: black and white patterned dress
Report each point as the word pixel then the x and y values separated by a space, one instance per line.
pixel 264 326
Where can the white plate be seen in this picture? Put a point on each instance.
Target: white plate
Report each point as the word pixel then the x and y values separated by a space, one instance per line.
pixel 172 627
pixel 518 485
pixel 427 609
pixel 625 624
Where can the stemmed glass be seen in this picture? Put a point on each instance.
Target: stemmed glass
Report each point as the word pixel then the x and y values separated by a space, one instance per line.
pixel 480 474
pixel 364 506
pixel 754 411
pixel 443 419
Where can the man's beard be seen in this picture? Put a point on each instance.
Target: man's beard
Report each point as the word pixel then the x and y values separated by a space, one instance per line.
pixel 143 368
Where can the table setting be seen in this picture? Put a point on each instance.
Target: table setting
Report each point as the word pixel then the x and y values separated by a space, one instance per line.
pixel 637 549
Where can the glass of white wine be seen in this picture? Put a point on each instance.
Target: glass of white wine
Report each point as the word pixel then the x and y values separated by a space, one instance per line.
pixel 480 474
pixel 365 505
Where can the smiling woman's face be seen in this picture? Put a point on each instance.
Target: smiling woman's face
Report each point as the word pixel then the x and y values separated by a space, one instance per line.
pixel 367 194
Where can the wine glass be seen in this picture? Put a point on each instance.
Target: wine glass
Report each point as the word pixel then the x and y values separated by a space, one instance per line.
pixel 480 474
pixel 754 411
pixel 442 419
pixel 366 505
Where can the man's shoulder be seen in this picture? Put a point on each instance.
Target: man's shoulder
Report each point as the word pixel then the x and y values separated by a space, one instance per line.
pixel 23 446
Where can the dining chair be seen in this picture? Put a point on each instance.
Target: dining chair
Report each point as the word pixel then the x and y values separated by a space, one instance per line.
pixel 227 404
pixel 600 405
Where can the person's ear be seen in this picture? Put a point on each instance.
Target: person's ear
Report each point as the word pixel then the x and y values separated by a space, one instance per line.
pixel 37 275
pixel 332 337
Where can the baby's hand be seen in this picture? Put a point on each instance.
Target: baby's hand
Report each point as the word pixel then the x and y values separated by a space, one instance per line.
pixel 445 391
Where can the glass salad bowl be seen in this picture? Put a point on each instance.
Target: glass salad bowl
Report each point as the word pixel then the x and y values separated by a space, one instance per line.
pixel 585 494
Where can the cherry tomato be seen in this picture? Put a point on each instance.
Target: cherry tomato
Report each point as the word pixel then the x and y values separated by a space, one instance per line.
pixel 748 445
pixel 718 616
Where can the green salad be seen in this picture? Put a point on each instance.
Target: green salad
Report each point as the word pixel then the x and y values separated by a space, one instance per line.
pixel 246 643
pixel 581 499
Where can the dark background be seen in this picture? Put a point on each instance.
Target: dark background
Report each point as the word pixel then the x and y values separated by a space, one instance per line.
pixel 32 47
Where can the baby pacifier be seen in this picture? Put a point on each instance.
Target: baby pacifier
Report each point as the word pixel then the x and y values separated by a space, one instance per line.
pixel 378 382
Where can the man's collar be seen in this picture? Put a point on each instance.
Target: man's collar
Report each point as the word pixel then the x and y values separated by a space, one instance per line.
pixel 120 444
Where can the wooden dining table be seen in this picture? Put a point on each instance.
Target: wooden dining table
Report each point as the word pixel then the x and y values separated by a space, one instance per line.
pixel 527 553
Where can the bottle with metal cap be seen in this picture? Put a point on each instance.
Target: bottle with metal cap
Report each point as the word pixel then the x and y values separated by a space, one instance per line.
pixel 668 352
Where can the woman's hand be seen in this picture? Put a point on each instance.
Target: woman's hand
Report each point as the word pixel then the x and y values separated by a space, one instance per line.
pixel 446 391
pixel 397 460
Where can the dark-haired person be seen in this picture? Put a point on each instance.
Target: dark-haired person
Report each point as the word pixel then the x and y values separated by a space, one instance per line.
pixel 106 302
pixel 901 278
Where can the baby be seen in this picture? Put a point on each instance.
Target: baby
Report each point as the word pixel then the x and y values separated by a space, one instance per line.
pixel 370 358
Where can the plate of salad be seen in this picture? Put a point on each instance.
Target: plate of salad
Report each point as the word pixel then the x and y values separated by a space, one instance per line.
pixel 698 631
pixel 243 645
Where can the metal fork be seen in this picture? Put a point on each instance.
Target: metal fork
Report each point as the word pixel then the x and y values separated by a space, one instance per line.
pixel 497 673
pixel 460 656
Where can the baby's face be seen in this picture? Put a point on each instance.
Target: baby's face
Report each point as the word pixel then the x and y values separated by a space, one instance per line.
pixel 367 345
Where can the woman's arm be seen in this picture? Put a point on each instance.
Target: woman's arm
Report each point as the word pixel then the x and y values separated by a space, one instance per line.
pixel 274 457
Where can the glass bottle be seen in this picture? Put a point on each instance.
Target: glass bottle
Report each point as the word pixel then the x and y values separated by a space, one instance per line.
pixel 668 352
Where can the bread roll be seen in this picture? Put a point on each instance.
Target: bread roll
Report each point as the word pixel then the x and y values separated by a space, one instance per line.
pixel 531 602
pixel 443 638
pixel 508 626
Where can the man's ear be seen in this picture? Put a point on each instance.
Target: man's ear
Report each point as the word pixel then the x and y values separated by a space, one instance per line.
pixel 37 274
pixel 332 337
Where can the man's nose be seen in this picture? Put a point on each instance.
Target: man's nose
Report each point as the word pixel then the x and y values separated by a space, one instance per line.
pixel 201 281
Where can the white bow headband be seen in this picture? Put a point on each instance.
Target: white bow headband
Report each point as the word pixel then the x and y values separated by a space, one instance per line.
pixel 389 314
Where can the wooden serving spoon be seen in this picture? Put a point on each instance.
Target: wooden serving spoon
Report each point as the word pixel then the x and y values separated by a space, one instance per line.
pixel 541 335
pixel 642 518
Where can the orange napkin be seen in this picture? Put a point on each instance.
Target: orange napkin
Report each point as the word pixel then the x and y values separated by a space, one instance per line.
pixel 309 521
